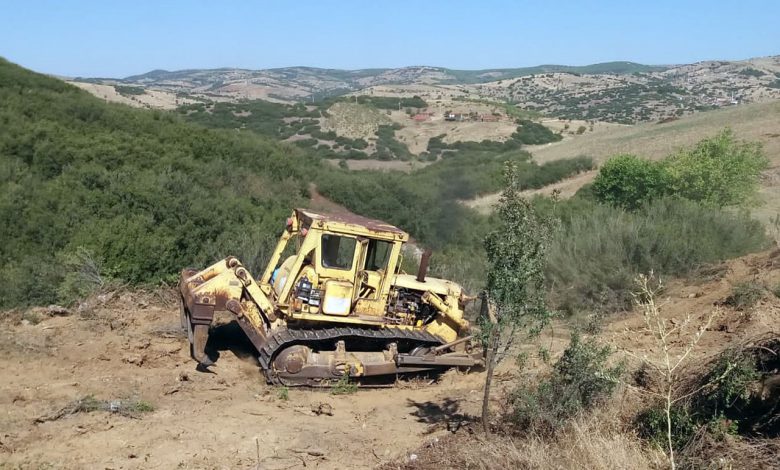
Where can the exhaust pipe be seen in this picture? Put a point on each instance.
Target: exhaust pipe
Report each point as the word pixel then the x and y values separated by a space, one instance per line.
pixel 424 260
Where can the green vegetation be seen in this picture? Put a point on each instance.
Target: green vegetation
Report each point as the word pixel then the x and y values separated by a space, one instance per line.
pixel 386 102
pixel 533 133
pixel 130 408
pixel 425 202
pixel 141 192
pixel 628 181
pixel 129 90
pixel 580 380
pixel 751 72
pixel 598 249
pixel 514 288
pixel 725 397
pixel 261 117
pixel 387 148
pixel 93 193
pixel 718 171
pixel 527 133
pixel 721 171
pixel 745 295
pixel 344 386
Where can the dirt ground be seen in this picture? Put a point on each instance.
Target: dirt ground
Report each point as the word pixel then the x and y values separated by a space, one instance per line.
pixel 128 346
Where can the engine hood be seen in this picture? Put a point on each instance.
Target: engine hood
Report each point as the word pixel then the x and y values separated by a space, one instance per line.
pixel 437 286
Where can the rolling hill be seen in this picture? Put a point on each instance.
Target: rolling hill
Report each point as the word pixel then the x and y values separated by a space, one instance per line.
pixel 624 92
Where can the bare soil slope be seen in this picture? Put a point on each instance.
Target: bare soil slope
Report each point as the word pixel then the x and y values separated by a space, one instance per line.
pixel 129 347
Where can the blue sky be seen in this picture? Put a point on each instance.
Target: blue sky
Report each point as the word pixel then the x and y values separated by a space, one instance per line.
pixel 116 39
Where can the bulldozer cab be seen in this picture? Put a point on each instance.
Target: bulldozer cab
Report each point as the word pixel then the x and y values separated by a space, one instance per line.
pixel 343 264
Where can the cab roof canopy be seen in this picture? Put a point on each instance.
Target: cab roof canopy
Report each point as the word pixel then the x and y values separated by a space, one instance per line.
pixel 352 224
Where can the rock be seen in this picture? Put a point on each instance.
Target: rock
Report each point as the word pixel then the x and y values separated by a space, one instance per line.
pixel 135 359
pixel 53 310
pixel 322 409
pixel 103 298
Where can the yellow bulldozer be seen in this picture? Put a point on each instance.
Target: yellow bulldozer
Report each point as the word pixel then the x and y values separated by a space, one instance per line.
pixel 333 303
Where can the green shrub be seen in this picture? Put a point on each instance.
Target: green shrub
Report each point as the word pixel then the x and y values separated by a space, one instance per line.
pixel 745 295
pixel 598 250
pixel 651 425
pixel 628 181
pixel 720 170
pixel 344 386
pixel 580 380
pixel 776 290
pixel 126 90
pixel 533 133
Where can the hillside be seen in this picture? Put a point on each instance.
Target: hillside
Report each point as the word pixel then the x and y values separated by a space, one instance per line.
pixel 101 205
pixel 127 348
pixel 758 122
pixel 622 92
pixel 130 194
pixel 109 193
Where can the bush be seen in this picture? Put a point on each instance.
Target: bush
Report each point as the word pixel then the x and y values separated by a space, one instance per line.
pixel 533 133
pixel 598 250
pixel 580 379
pixel 651 425
pixel 745 295
pixel 720 171
pixel 628 181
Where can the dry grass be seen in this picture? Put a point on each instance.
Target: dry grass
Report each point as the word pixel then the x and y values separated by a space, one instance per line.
pixel 593 442
pixel 758 122
pixel 754 122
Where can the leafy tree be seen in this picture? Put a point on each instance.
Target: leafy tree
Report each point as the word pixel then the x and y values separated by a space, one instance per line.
pixel 628 181
pixel 514 295
pixel 721 170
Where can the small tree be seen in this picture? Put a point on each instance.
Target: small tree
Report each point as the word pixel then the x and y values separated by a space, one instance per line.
pixel 628 181
pixel 514 295
pixel 720 170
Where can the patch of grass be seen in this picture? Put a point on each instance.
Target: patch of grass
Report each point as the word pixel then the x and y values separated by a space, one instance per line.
pixel 580 379
pixel 776 290
pixel 651 425
pixel 598 249
pixel 344 386
pixel 32 317
pixel 131 408
pixel 745 295
pixel 283 393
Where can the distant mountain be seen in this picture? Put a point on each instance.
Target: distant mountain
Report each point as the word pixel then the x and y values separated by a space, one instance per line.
pixel 624 92
pixel 291 83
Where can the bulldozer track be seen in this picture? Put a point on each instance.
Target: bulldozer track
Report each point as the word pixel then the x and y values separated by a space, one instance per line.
pixel 285 337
